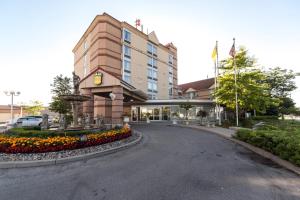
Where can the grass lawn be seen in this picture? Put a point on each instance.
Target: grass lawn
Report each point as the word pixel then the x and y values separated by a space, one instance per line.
pixel 280 137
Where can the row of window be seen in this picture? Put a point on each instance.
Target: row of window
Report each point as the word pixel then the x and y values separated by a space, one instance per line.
pixel 152 73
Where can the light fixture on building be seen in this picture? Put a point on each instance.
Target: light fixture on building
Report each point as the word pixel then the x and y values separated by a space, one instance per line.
pixel 112 96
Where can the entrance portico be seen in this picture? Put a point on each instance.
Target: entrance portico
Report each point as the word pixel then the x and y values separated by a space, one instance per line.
pixel 108 94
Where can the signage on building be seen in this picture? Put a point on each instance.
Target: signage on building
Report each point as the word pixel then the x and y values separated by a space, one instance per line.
pixel 98 78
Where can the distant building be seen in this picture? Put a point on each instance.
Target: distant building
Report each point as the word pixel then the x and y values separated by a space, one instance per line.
pixel 5 112
pixel 201 89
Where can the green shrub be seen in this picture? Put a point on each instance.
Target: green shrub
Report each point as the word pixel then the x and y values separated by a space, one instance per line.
pixel 24 132
pixel 285 144
pixel 265 117
pixel 247 123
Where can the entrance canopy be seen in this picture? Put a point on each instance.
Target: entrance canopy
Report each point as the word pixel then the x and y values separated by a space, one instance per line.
pixel 200 102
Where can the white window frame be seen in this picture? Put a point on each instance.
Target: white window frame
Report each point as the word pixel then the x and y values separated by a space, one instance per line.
pixel 85 46
pixel 129 64
pixel 129 50
pixel 124 35
pixel 171 59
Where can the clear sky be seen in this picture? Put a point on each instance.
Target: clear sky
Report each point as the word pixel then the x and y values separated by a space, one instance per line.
pixel 37 36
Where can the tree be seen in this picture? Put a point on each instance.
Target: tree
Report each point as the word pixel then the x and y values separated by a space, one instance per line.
pixel 186 107
pixel 34 108
pixel 251 88
pixel 281 82
pixel 286 107
pixel 61 86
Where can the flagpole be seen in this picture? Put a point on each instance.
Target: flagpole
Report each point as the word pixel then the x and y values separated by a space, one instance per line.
pixel 217 72
pixel 216 60
pixel 235 85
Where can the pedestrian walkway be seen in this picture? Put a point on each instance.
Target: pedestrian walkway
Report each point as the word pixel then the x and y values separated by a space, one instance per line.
pixel 227 133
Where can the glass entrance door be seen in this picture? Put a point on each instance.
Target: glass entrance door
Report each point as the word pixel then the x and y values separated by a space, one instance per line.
pixel 156 114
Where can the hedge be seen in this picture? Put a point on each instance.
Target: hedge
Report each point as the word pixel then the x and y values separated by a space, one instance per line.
pixel 285 144
pixel 23 132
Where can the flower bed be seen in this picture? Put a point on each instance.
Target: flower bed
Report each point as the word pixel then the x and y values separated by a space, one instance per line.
pixel 41 145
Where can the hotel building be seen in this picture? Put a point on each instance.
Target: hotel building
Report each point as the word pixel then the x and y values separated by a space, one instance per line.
pixel 125 71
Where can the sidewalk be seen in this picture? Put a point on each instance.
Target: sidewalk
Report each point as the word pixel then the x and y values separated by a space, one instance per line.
pixel 224 132
pixel 228 133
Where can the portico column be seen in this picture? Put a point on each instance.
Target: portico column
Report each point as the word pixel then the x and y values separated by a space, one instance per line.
pixel 117 106
pixel 88 106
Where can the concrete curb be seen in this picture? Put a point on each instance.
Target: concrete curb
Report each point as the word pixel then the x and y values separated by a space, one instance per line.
pixel 23 164
pixel 257 150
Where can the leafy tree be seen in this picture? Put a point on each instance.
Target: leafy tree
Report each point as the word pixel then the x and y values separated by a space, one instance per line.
pixel 251 88
pixel 34 108
pixel 286 106
pixel 61 86
pixel 186 107
pixel 281 82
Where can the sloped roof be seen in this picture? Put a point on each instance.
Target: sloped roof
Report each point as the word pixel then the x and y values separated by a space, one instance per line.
pixel 197 85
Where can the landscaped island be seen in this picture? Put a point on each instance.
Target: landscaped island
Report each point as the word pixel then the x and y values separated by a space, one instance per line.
pixel 36 141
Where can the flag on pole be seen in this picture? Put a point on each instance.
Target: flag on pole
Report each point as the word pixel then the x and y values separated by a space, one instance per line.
pixel 137 23
pixel 214 53
pixel 232 50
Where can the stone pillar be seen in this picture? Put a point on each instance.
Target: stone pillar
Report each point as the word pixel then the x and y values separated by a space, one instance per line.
pixel 88 106
pixel 75 113
pixel 117 106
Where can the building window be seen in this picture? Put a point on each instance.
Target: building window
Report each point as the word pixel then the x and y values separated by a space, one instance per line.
pixel 149 85
pixel 127 77
pixel 170 79
pixel 170 91
pixel 127 51
pixel 152 86
pixel 192 95
pixel 152 96
pixel 170 59
pixel 85 65
pixel 152 49
pixel 84 70
pixel 126 36
pixel 152 62
pixel 149 48
pixel 85 59
pixel 85 45
pixel 127 65
pixel 154 74
pixel 170 69
pixel 149 72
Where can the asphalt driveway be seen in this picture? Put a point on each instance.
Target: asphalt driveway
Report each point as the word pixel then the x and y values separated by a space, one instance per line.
pixel 170 163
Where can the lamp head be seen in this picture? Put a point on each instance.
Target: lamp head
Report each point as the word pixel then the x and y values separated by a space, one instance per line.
pixel 112 96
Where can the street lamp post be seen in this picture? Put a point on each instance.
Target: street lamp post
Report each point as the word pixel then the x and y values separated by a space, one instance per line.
pixel 12 94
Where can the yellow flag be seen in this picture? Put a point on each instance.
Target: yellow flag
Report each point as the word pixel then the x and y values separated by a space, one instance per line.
pixel 214 54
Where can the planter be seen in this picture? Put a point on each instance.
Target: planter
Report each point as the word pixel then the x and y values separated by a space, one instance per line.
pixel 174 121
